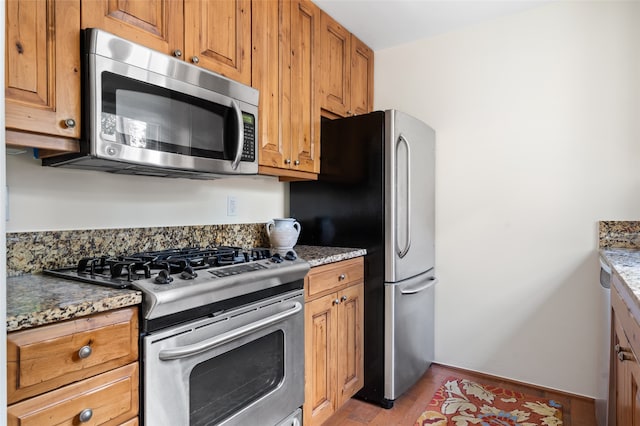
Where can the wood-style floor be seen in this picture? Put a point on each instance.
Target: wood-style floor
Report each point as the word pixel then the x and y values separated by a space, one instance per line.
pixel 576 410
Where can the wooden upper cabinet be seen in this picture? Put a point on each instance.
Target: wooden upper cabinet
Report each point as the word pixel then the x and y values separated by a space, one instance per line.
pixel 157 24
pixel 42 69
pixel 269 61
pixel 285 45
pixel 218 36
pixel 213 34
pixel 346 79
pixel 361 77
pixel 335 86
pixel 305 102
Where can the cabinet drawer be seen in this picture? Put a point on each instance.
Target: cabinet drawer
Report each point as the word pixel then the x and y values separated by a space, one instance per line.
pixel 112 398
pixel 328 278
pixel 52 356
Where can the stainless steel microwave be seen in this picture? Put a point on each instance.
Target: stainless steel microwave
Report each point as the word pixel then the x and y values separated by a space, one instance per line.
pixel 148 113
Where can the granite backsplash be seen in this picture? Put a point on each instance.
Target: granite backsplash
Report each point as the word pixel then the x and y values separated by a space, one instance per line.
pixel 619 234
pixel 31 252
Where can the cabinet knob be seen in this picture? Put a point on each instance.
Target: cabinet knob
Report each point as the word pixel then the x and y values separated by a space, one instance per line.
pixel 70 123
pixel 336 302
pixel 85 352
pixel 287 161
pixel 85 415
pixel 342 277
pixel 344 298
pixel 297 162
pixel 349 112
pixel 195 59
pixel 177 53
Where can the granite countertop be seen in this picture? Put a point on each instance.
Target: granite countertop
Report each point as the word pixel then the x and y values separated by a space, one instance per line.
pixel 36 299
pixel 626 262
pixel 317 255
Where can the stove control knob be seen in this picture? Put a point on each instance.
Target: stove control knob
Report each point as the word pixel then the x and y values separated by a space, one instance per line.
pixel 163 277
pixel 276 258
pixel 291 255
pixel 188 273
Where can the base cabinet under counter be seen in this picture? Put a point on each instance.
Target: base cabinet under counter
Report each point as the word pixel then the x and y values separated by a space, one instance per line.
pixel 334 337
pixel 81 371
pixel 624 404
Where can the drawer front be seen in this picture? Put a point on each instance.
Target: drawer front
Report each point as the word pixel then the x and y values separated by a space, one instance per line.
pixel 51 356
pixel 325 279
pixel 107 399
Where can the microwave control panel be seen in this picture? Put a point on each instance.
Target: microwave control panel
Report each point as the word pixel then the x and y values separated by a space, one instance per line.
pixel 249 146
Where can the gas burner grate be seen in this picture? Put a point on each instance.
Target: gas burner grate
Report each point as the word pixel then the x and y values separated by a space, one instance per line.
pixel 122 269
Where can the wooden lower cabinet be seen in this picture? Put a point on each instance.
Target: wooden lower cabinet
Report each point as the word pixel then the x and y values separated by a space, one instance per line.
pixel 107 399
pixel 334 340
pixel 82 371
pixel 625 366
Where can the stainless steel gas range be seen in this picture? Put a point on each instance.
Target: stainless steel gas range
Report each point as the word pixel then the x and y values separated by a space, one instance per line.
pixel 222 335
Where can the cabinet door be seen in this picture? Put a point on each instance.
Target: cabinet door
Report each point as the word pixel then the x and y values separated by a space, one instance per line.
pixel 634 390
pixel 350 342
pixel 218 36
pixel 320 337
pixel 335 63
pixel 304 94
pixel 42 67
pixel 361 77
pixel 157 24
pixel 270 65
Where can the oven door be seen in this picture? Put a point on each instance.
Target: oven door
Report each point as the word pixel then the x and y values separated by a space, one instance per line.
pixel 230 369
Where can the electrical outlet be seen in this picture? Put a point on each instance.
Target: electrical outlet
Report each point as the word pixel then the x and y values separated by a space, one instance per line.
pixel 232 206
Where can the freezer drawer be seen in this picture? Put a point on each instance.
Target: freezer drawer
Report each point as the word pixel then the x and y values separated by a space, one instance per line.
pixel 409 331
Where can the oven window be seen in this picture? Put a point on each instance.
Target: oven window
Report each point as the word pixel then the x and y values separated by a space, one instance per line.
pixel 142 115
pixel 223 385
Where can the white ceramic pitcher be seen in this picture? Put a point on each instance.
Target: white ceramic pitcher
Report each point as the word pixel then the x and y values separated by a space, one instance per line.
pixel 283 233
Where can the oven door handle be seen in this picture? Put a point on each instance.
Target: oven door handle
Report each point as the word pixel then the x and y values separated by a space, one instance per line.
pixel 197 348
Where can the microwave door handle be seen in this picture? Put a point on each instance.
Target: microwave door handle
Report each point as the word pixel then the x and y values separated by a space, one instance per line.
pixel 240 142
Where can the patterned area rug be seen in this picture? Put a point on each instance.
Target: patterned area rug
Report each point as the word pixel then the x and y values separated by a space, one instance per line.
pixel 461 402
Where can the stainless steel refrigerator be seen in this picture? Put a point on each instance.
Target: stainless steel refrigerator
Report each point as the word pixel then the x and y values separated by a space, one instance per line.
pixel 376 191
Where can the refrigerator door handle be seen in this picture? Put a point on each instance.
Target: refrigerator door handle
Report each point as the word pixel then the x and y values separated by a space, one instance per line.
pixel 418 289
pixel 402 252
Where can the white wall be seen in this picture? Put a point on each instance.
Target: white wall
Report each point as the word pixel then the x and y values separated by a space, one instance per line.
pixel 538 137
pixel 45 198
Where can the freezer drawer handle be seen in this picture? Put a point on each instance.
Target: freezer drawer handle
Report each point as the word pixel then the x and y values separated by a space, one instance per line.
pixel 413 290
pixel 402 252
pixel 197 348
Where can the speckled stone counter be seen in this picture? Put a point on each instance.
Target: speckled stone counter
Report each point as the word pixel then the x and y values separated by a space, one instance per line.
pixel 317 256
pixel 619 243
pixel 34 300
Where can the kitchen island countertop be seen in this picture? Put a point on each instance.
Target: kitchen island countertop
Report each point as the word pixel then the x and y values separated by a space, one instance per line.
pixel 37 299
